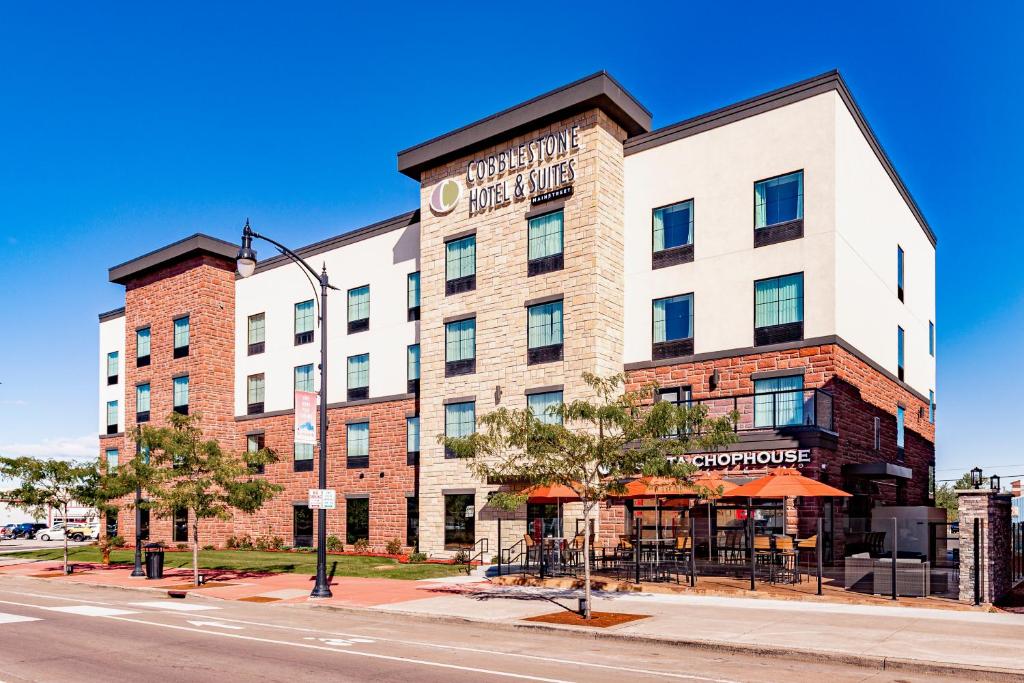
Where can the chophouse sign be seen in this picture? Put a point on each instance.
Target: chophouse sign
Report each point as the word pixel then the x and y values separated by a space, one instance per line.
pixel 777 457
pixel 537 166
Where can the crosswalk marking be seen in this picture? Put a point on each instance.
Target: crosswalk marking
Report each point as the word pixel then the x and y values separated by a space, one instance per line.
pixel 176 606
pixel 14 618
pixel 90 610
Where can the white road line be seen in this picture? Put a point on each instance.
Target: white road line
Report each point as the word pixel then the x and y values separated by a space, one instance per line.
pixel 174 605
pixel 55 597
pixel 14 618
pixel 354 653
pixel 91 610
pixel 572 662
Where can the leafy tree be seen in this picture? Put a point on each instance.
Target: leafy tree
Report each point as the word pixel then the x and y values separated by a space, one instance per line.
pixel 187 472
pixel 101 488
pixel 46 485
pixel 600 443
pixel 945 495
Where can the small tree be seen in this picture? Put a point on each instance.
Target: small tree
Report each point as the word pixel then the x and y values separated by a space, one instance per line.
pixel 102 488
pixel 46 485
pixel 599 444
pixel 945 495
pixel 194 474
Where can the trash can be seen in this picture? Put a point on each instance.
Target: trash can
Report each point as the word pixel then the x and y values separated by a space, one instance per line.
pixel 154 561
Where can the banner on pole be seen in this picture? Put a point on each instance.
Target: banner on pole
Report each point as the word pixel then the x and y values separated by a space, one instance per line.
pixel 305 417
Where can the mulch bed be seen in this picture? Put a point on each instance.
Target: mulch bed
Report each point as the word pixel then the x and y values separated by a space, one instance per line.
pixel 597 620
pixel 258 598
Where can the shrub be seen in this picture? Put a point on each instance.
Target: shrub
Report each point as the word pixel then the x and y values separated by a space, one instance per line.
pixel 416 558
pixel 181 546
pixel 334 543
pixel 361 545
pixel 116 541
pixel 393 547
pixel 231 543
pixel 240 542
pixel 208 547
pixel 461 557
pixel 286 547
pixel 302 549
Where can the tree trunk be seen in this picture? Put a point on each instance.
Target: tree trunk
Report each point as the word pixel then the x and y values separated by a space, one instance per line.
pixel 65 510
pixel 195 552
pixel 104 539
pixel 586 559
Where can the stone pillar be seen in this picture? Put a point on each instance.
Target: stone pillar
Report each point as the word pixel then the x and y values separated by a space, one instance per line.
pixel 993 509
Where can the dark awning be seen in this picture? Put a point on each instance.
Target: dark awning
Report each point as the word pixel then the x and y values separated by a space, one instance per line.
pixel 878 470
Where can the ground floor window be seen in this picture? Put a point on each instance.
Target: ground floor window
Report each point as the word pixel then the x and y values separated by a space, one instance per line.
pixel 542 520
pixel 181 525
pixel 111 524
pixel 144 524
pixel 412 522
pixel 357 520
pixel 302 526
pixel 459 521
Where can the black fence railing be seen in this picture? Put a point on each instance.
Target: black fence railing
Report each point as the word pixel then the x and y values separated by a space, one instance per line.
pixel 773 410
pixel 1017 551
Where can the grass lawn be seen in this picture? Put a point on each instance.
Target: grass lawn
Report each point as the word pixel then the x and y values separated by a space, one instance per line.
pixel 256 561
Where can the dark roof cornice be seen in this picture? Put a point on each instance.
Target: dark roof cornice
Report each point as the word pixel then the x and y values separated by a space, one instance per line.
pixel 598 90
pixel 775 99
pixel 172 253
pixel 112 315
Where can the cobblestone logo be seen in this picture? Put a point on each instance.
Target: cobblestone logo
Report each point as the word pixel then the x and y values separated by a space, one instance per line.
pixel 445 196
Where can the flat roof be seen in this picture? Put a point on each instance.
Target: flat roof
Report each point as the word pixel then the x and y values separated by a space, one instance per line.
pixel 112 315
pixel 598 90
pixel 172 253
pixel 826 82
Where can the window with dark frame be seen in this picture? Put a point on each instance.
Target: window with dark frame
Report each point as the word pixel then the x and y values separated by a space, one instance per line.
pixel 899 272
pixel 112 419
pixel 412 522
pixel 779 402
pixel 877 442
pixel 931 406
pixel 142 395
pixel 460 265
pixel 459 521
pixel 672 327
pixel 901 416
pixel 543 405
pixel 255 393
pixel 459 420
pixel 180 533
pixel 544 333
pixel 257 333
pixel 412 368
pixel 412 297
pixel 181 336
pixel 779 209
pixel 304 322
pixel 460 347
pixel 180 394
pixel 357 520
pixel 931 339
pixel 357 445
pixel 112 368
pixel 112 457
pixel 412 440
pixel 359 309
pixel 545 243
pixel 302 526
pixel 672 234
pixel 779 309
pixel 678 396
pixel 303 461
pixel 254 443
pixel 358 377
pixel 142 340
pixel 900 341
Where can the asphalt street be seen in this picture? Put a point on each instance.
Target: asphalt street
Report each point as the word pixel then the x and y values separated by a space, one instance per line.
pixel 67 633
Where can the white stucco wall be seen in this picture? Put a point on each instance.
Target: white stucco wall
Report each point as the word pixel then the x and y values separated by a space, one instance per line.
pixel 383 262
pixel 872 218
pixel 718 169
pixel 111 339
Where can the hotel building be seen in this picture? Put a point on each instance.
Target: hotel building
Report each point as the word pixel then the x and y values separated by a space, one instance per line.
pixel 765 257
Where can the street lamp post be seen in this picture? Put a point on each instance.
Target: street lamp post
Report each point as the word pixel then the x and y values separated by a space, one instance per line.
pixel 247 266
pixel 138 533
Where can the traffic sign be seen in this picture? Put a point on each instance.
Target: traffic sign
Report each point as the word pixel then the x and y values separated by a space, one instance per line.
pixel 323 499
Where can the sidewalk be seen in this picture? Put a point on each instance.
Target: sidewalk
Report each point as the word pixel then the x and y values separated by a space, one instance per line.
pixel 866 633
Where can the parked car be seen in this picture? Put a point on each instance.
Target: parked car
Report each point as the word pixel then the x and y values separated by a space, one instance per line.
pixel 53 533
pixel 7 531
pixel 27 529
pixel 81 532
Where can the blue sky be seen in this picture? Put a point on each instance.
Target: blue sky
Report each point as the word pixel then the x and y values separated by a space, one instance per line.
pixel 124 127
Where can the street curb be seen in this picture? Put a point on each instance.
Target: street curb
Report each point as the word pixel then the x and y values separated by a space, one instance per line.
pixel 872 662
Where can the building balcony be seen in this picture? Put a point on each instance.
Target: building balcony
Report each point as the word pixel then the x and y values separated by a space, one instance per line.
pixel 787 411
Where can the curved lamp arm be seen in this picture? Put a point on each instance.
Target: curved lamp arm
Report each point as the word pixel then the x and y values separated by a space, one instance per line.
pixel 248 232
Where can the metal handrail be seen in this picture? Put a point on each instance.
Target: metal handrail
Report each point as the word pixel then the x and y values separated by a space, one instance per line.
pixel 811 407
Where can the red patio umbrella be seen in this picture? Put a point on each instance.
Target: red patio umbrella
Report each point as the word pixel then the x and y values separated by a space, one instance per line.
pixel 785 482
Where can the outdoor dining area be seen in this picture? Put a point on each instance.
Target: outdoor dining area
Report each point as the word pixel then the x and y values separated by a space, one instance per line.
pixel 678 531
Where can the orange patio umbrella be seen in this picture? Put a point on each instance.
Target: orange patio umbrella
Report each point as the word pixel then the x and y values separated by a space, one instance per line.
pixel 785 482
pixel 552 493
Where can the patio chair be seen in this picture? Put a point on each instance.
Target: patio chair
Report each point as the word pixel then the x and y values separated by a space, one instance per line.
pixel 572 554
pixel 804 547
pixel 763 556
pixel 531 547
pixel 785 560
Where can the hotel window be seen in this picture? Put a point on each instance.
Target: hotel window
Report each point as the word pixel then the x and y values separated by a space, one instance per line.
pixel 304 322
pixel 546 235
pixel 359 377
pixel 544 333
pixel 542 406
pixel 779 309
pixel 142 347
pixel 112 369
pixel 899 272
pixel 255 390
pixel 180 533
pixel 412 440
pixel 254 443
pixel 931 339
pixel 412 522
pixel 142 403
pixel 900 432
pixel 672 234
pixel 412 298
pixel 931 406
pixel 679 396
pixel 899 352
pixel 877 443
pixel 459 521
pixel 459 420
pixel 359 309
pixel 112 458
pixel 111 417
pixel 779 209
pixel 303 457
pixel 181 334
pixel 257 334
pixel 779 402
pixel 181 395
pixel 460 265
pixel 302 526
pixel 304 378
pixel 357 444
pixel 357 520
pixel 412 368
pixel 673 327
pixel 460 347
